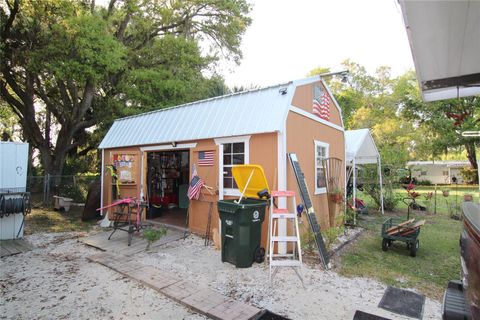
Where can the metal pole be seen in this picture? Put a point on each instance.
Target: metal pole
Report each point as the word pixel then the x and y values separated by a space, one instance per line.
pixel 354 172
pixel 379 168
pixel 435 201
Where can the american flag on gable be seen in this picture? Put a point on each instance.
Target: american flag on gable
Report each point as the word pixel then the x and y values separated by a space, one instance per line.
pixel 321 103
pixel 205 158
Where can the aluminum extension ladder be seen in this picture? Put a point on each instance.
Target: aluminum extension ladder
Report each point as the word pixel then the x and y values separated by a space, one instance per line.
pixel 294 258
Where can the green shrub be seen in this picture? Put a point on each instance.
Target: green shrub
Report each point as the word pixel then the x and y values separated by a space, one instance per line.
pixel 424 182
pixel 152 235
pixel 307 241
pixel 390 198
pixel 469 175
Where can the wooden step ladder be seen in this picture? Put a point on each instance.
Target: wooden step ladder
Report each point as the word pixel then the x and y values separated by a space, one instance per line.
pixel 277 260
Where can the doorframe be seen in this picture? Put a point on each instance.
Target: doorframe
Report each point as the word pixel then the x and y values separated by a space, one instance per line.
pixel 163 147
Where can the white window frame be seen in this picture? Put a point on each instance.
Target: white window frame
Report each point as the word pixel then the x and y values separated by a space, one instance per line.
pixel 220 142
pixel 325 145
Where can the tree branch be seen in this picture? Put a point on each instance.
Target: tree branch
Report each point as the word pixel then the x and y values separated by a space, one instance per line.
pixel 16 105
pixel 86 102
pixel 111 6
pixel 67 102
pixel 123 27
pixel 11 18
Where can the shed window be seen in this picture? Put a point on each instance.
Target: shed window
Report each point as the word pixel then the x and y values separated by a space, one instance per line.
pixel 233 151
pixel 233 154
pixel 445 173
pixel 423 173
pixel 321 152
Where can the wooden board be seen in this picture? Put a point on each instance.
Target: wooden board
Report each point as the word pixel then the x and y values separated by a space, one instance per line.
pixel 396 228
pixel 12 247
pixel 410 230
pixel 118 243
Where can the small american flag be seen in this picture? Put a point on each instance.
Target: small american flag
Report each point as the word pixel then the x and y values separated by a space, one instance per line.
pixel 205 158
pixel 321 104
pixel 195 185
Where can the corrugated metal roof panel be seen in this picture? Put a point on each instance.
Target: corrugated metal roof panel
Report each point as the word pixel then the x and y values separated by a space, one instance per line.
pixel 250 112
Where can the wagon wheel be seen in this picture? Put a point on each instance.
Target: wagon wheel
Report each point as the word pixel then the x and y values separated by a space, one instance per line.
pixel 414 248
pixel 385 244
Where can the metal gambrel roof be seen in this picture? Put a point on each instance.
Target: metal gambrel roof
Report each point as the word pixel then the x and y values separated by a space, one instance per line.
pixel 360 145
pixel 249 112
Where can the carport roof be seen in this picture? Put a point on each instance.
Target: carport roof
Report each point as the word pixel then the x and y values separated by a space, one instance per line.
pixel 445 42
pixel 360 146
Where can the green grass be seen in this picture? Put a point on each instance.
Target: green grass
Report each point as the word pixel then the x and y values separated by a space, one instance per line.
pixel 437 260
pixel 44 220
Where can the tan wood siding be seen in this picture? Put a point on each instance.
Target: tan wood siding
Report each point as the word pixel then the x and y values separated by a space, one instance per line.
pixel 303 99
pixel 301 133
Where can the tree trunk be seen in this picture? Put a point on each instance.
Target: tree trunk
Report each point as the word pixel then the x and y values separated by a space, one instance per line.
pixel 472 156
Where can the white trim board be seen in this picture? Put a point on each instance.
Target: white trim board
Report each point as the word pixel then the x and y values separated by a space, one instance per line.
pixel 334 100
pixel 315 118
pixel 219 142
pixel 327 154
pixel 169 147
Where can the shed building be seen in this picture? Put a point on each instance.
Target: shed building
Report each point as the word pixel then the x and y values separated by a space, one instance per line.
pixel 154 152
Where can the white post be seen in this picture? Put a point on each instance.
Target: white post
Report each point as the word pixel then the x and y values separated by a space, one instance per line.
pixel 379 167
pixel 478 172
pixel 142 176
pixel 105 222
pixel 282 186
pixel 354 172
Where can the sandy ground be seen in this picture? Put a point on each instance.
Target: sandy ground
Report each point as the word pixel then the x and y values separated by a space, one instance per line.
pixel 55 281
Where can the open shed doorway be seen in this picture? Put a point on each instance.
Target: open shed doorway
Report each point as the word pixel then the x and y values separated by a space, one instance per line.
pixel 168 178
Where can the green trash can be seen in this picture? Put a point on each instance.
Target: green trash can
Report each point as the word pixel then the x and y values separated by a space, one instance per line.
pixel 241 231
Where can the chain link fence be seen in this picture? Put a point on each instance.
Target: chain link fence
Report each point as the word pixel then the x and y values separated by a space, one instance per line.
pixel 431 198
pixel 43 188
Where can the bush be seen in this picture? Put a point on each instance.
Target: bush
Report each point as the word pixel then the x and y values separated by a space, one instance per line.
pixel 152 235
pixel 75 193
pixel 390 198
pixel 424 182
pixel 469 175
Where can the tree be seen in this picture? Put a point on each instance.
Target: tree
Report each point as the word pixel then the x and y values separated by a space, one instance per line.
pixel 67 66
pixel 443 122
pixel 372 101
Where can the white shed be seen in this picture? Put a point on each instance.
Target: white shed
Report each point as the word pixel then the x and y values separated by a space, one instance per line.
pixel 13 180
pixel 361 149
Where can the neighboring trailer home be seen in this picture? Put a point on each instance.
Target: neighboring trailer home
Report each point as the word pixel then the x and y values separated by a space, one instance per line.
pixel 440 172
pixel 154 152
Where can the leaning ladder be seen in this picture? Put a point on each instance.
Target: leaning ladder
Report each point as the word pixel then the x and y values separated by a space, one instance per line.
pixel 293 259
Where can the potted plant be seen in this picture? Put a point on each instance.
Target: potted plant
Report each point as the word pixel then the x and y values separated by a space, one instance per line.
pixel 446 193
pixel 336 196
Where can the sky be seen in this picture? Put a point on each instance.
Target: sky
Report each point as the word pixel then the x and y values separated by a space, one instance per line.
pixel 288 38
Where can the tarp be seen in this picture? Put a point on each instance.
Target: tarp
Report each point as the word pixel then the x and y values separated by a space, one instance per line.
pixel 360 145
